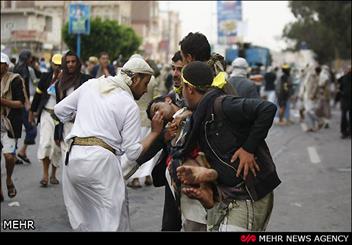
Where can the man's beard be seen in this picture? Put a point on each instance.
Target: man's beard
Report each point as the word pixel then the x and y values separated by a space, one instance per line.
pixel 136 96
pixel 177 83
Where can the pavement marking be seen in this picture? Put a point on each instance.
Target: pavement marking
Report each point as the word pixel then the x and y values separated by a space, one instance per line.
pixel 297 204
pixel 14 204
pixel 344 169
pixel 304 127
pixel 313 155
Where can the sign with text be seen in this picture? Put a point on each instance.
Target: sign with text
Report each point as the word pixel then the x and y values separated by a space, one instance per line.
pixel 229 15
pixel 79 19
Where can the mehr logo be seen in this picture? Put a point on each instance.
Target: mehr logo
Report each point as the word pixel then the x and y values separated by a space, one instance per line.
pixel 18 224
pixel 248 238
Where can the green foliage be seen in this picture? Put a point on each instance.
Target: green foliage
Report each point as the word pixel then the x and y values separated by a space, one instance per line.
pixel 324 25
pixel 107 36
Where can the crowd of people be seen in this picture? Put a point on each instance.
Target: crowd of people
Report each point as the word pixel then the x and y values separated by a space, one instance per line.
pixel 195 127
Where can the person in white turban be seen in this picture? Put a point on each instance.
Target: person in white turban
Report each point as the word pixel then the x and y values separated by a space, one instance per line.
pixel 106 126
pixel 238 79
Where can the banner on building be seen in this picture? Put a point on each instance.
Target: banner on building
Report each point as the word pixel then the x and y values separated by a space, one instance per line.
pixel 79 19
pixel 229 15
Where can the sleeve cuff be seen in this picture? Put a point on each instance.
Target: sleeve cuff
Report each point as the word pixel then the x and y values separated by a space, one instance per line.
pixel 249 146
pixel 133 152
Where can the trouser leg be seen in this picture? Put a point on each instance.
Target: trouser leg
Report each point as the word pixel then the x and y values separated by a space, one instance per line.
pixel 171 220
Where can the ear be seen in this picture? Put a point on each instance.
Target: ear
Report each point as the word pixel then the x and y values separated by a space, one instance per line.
pixel 135 79
pixel 188 58
pixel 192 90
pixel 189 89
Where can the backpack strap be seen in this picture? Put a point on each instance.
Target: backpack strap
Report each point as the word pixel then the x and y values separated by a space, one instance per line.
pixel 217 110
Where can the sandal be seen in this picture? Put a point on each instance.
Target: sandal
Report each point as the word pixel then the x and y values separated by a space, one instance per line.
pixel 134 184
pixel 11 191
pixel 54 181
pixel 44 183
pixel 24 158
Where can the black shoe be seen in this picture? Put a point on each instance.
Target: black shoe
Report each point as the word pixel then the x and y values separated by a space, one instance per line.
pixel 344 136
pixel 148 180
pixel 18 161
pixel 24 158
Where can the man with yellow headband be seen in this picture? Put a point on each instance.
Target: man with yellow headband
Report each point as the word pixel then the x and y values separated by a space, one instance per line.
pixel 231 132
pixel 195 47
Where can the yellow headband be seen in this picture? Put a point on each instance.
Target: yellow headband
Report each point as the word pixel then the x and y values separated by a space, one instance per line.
pixel 185 81
pixel 178 90
pixel 218 82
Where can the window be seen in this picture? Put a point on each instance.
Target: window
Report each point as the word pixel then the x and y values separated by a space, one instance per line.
pixel 48 24
pixel 7 4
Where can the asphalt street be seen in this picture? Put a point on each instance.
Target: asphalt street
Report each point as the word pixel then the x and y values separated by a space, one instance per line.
pixel 315 194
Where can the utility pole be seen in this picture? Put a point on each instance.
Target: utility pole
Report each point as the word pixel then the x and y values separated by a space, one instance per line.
pixel 63 24
pixel 169 32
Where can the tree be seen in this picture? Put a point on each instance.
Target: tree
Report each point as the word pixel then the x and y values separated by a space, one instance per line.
pixel 325 26
pixel 107 36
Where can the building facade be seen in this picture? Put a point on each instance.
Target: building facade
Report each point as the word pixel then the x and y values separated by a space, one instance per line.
pixel 160 30
pixel 23 26
pixel 170 25
pixel 37 25
pixel 144 21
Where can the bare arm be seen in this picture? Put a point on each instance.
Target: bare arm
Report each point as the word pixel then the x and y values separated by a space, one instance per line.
pixel 15 104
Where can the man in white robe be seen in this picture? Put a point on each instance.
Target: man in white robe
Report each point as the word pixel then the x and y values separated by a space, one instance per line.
pixel 93 181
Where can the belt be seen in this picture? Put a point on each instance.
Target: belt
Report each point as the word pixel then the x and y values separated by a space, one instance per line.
pixel 51 111
pixel 91 141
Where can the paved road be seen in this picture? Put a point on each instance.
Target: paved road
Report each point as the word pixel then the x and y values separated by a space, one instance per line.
pixel 315 194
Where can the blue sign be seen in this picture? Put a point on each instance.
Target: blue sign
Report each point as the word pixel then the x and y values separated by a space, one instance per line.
pixel 229 14
pixel 79 19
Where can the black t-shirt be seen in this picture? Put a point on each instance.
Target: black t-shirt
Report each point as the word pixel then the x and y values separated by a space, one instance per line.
pixel 24 72
pixel 15 115
pixel 270 78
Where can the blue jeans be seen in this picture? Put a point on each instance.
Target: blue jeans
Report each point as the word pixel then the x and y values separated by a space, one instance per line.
pixel 288 110
pixel 31 131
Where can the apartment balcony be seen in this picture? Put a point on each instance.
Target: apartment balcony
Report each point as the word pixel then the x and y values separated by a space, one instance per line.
pixel 28 36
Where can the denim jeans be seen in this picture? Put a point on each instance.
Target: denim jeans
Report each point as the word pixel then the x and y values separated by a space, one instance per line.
pixel 31 131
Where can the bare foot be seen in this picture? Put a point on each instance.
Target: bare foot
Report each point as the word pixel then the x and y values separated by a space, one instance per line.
pixel 190 175
pixel 203 194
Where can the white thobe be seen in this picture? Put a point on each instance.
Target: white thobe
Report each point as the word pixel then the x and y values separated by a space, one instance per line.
pixel 93 186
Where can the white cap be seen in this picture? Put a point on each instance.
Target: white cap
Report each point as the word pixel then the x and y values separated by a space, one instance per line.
pixel 136 56
pixel 5 59
pixel 138 65
pixel 240 63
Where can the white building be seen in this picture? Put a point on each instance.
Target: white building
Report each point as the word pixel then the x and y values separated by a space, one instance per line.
pixel 37 25
pixel 25 27
pixel 170 25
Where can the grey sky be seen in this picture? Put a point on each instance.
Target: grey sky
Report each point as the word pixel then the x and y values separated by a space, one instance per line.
pixel 263 20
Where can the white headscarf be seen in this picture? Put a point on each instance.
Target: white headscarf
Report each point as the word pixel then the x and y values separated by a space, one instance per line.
pixel 240 67
pixel 123 79
pixel 5 59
